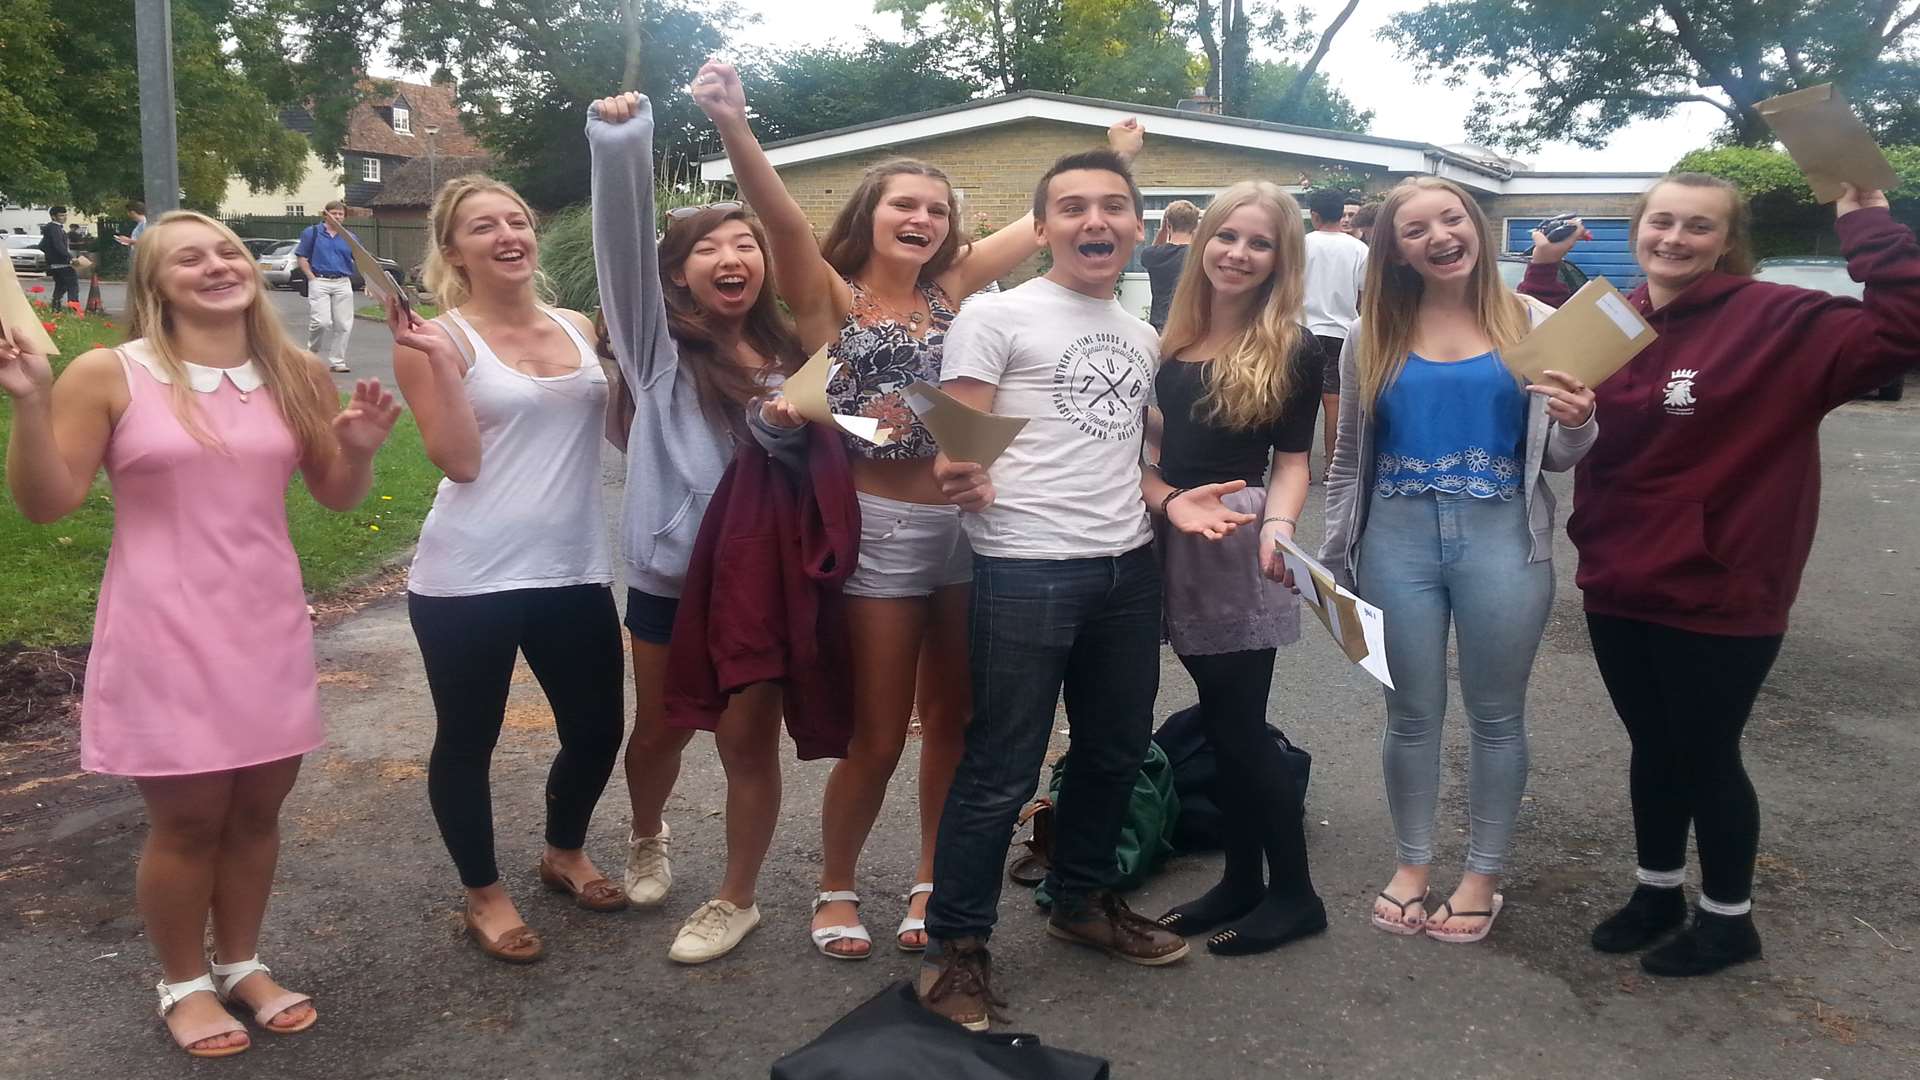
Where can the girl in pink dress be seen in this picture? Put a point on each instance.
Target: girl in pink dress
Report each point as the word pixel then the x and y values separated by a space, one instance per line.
pixel 201 683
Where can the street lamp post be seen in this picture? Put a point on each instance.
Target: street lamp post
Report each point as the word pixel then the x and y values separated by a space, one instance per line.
pixel 159 156
pixel 433 184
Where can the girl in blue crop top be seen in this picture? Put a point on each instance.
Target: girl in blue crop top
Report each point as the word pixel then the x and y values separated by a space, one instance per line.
pixel 1437 511
pixel 878 293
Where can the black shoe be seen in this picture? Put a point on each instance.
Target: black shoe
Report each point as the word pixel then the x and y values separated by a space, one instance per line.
pixel 1273 924
pixel 1713 943
pixel 1648 916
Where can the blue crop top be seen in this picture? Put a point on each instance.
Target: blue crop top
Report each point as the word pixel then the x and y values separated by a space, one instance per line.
pixel 1451 427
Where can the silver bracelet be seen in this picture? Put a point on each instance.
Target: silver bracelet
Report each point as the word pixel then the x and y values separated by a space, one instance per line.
pixel 1295 522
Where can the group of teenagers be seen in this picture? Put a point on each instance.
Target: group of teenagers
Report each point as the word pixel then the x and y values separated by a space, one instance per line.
pixel 1142 503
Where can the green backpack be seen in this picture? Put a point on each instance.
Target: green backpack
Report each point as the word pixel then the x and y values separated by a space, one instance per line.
pixel 1146 837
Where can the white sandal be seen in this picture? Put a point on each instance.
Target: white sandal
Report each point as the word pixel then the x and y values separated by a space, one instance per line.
pixel 909 924
pixel 172 994
pixel 827 935
pixel 231 975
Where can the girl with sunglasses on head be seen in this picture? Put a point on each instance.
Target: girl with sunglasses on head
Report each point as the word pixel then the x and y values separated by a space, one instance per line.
pixel 697 335
pixel 513 558
pixel 201 685
pixel 879 293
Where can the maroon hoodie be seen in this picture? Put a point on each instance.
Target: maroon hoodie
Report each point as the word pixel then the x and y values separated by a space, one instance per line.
pixel 1696 506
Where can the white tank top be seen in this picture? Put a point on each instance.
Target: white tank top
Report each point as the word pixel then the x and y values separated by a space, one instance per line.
pixel 533 518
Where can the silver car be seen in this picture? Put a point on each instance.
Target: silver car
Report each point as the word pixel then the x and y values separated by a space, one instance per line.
pixel 277 264
pixel 25 253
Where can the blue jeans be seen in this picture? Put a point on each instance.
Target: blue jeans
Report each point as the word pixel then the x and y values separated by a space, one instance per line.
pixel 1424 560
pixel 1091 626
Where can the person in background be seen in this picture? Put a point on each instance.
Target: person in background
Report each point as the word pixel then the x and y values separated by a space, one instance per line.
pixel 136 210
pixel 1348 212
pixel 58 248
pixel 1336 268
pixel 1167 256
pixel 326 257
pixel 1362 224
pixel 1694 516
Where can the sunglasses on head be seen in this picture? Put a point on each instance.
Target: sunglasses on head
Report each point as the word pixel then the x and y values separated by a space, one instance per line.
pixel 682 213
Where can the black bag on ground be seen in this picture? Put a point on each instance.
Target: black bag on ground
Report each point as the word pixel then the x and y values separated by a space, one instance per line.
pixel 1183 737
pixel 891 1036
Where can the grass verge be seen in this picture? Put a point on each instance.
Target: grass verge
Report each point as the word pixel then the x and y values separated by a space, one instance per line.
pixel 377 314
pixel 50 574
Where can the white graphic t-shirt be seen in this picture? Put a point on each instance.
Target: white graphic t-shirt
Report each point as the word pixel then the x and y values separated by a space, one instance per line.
pixel 1080 369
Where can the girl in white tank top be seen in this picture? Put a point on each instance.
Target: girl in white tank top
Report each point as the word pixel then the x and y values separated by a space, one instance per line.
pixel 514 558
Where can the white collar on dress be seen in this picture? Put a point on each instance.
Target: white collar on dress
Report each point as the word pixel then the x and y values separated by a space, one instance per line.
pixel 205 380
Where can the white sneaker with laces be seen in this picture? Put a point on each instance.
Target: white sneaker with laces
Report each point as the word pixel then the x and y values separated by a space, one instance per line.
pixel 649 871
pixel 712 931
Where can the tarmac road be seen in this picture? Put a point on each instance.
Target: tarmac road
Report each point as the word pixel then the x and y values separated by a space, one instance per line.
pixel 365 916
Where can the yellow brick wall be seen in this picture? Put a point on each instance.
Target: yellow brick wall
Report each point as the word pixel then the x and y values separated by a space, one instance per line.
pixel 997 167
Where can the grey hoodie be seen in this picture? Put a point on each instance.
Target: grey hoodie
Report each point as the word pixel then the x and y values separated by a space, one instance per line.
pixel 675 452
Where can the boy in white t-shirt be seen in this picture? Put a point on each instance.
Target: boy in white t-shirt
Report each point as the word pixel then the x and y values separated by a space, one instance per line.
pixel 1066 592
pixel 1336 268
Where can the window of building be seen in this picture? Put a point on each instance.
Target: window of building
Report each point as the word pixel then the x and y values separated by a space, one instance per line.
pixel 370 170
pixel 295 209
pixel 403 119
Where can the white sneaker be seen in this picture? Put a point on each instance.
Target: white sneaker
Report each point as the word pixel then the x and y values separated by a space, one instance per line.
pixel 712 931
pixel 338 365
pixel 649 871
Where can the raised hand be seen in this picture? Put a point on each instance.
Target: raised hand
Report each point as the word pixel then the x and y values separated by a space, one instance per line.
pixel 410 330
pixel 1569 401
pixel 964 483
pixel 1126 137
pixel 367 419
pixel 717 90
pixel 1855 199
pixel 22 373
pixel 1553 251
pixel 1199 510
pixel 619 108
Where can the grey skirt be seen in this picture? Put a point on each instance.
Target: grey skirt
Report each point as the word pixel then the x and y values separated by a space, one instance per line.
pixel 1216 599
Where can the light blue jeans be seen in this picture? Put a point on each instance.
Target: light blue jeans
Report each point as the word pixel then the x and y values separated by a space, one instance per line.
pixel 1425 560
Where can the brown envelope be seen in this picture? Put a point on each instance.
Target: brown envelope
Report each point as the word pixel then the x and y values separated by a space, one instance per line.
pixel 963 432
pixel 17 314
pixel 1828 142
pixel 379 284
pixel 806 390
pixel 1592 336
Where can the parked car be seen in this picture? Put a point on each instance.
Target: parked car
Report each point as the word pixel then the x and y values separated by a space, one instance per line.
pixel 297 278
pixel 1827 274
pixel 24 252
pixel 1513 267
pixel 260 245
pixel 277 264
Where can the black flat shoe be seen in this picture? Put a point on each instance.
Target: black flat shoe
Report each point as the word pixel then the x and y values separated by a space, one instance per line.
pixel 1268 927
pixel 1650 915
pixel 1713 943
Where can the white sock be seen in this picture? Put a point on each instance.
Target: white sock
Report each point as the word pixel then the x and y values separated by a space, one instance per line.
pixel 1660 879
pixel 1714 907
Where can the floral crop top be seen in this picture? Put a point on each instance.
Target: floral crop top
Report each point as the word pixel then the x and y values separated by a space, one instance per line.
pixel 879 358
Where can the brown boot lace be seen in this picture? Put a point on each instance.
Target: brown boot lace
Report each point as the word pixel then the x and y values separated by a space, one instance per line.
pixel 964 970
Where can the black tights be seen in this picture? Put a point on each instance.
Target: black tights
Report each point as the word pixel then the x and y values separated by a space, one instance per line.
pixel 1685 698
pixel 571 638
pixel 1259 800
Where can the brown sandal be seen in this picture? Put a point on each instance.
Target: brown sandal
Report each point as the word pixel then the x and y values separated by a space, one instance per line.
pixel 518 945
pixel 596 895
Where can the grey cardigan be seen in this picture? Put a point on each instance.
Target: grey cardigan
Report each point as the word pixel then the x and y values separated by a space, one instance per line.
pixel 1349 475
pixel 676 454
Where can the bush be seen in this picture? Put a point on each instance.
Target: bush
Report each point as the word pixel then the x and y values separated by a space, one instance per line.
pixel 566 243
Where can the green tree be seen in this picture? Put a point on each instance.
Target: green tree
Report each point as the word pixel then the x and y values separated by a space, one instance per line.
pixel 1277 94
pixel 1580 71
pixel 1773 183
pixel 526 70
pixel 803 91
pixel 70 105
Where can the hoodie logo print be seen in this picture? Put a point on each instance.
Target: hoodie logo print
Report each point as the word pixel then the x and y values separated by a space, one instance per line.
pixel 1679 398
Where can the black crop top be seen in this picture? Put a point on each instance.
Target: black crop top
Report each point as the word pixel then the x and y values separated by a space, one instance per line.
pixel 1196 451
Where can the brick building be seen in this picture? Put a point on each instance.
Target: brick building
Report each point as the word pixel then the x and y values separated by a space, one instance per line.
pixel 994 149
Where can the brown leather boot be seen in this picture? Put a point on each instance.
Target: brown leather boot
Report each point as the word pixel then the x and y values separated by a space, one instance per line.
pixel 959 986
pixel 1105 922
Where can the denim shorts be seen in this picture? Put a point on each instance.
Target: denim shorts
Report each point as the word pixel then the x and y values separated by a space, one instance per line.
pixel 650 617
pixel 908 549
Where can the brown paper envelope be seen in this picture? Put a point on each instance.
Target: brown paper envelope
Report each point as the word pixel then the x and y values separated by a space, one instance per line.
pixel 1592 336
pixel 1828 141
pixel 17 314
pixel 379 285
pixel 963 432
pixel 1350 636
pixel 806 390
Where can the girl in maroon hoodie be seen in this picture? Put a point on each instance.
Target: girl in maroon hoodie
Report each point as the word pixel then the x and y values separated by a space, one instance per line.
pixel 1694 514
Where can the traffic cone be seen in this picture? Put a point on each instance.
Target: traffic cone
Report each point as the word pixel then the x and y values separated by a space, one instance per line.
pixel 95 306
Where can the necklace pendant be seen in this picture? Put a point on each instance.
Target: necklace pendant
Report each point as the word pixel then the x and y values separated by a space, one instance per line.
pixel 245 397
pixel 915 319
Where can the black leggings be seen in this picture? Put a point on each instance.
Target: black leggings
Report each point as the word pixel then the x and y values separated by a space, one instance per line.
pixel 1685 698
pixel 1259 800
pixel 571 638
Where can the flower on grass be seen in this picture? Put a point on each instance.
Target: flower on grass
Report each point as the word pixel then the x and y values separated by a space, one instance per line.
pixel 75 306
pixel 374 528
pixel 386 498
pixel 38 289
pixel 49 327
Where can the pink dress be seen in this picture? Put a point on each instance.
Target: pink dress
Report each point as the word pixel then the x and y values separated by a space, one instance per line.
pixel 202 650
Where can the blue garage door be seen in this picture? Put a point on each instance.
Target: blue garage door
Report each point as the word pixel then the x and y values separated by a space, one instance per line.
pixel 1606 255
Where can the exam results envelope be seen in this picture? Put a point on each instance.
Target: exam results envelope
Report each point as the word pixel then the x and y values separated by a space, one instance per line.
pixel 1589 337
pixel 1827 140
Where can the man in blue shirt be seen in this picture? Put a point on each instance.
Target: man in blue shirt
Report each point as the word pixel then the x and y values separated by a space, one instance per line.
pixel 326 257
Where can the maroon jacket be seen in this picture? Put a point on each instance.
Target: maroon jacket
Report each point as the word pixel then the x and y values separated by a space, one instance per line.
pixel 1696 507
pixel 762 598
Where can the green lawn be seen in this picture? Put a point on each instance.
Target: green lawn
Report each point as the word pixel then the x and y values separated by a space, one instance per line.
pixel 50 574
pixel 377 314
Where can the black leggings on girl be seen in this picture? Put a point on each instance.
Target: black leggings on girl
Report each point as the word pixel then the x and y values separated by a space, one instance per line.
pixel 1685 698
pixel 571 638
pixel 1260 815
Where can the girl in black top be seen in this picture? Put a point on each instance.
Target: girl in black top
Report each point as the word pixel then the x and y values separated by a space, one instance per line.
pixel 1238 390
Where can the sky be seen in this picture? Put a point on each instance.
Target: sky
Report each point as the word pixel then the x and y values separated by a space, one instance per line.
pixel 1363 68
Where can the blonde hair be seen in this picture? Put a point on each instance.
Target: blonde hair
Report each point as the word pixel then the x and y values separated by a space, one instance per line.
pixel 1738 258
pixel 1249 382
pixel 1180 216
pixel 448 283
pixel 285 368
pixel 1390 299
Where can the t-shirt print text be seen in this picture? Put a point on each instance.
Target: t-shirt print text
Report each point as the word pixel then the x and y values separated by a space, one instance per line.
pixel 1100 385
